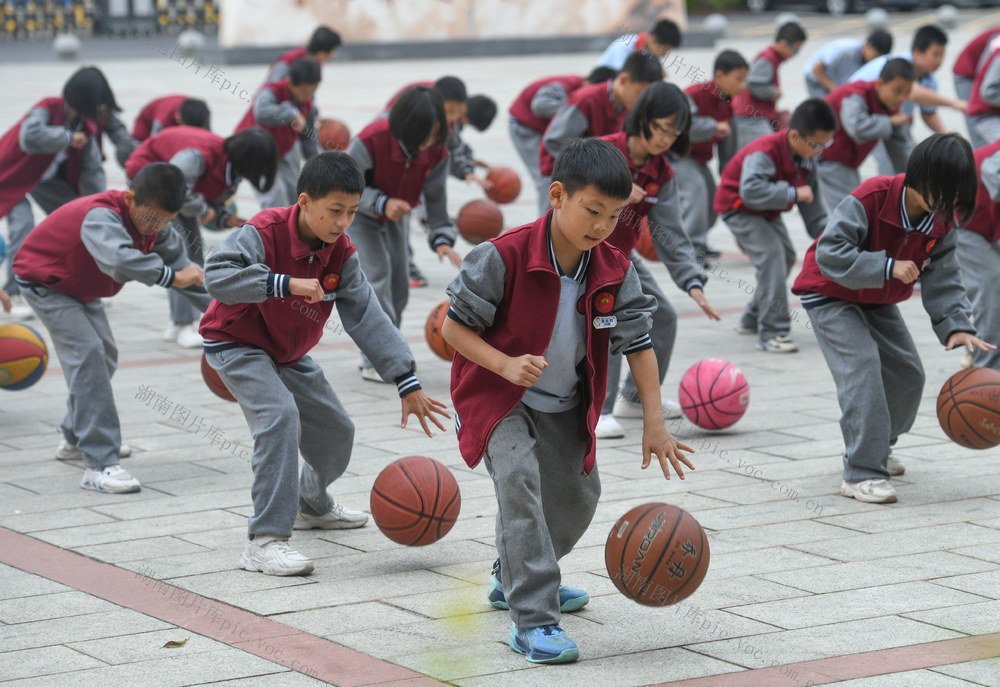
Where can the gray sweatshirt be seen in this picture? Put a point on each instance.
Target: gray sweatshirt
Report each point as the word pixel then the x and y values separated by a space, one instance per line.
pixel 38 137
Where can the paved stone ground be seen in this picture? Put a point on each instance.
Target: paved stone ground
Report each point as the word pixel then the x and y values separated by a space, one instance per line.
pixel 797 572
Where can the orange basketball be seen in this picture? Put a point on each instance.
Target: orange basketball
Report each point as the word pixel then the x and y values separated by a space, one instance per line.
pixel 479 220
pixel 645 245
pixel 657 554
pixel 506 184
pixel 968 408
pixel 333 134
pixel 432 332
pixel 214 381
pixel 415 501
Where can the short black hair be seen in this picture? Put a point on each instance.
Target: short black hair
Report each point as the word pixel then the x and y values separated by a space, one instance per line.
pixel 790 32
pixel 588 161
pixel 304 70
pixel 414 115
pixel 254 156
pixel 480 110
pixel 898 68
pixel 666 32
pixel 601 74
pixel 323 39
pixel 881 40
pixel 812 115
pixel 452 89
pixel 928 35
pixel 328 173
pixel 942 169
pixel 659 100
pixel 195 112
pixel 729 60
pixel 643 67
pixel 89 93
pixel 160 184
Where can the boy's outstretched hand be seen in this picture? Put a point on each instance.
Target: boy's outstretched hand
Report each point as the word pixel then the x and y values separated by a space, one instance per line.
pixel 657 439
pixel 445 251
pixel 423 406
pixel 968 340
pixel 699 297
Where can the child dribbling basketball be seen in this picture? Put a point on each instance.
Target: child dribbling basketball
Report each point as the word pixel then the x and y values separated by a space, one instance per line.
pixel 275 282
pixel 881 238
pixel 533 315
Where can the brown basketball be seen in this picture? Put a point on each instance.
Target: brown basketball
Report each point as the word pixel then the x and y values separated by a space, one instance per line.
pixel 333 134
pixel 415 501
pixel 968 408
pixel 214 381
pixel 432 332
pixel 479 220
pixel 645 245
pixel 657 554
pixel 506 184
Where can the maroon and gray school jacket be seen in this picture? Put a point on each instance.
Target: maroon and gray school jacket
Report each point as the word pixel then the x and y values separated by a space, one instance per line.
pixel 509 290
pixel 40 139
pixel 274 109
pixel 761 178
pixel 201 156
pixel 757 101
pixel 852 260
pixel 89 247
pixel 392 172
pixel 588 111
pixel 708 108
pixel 249 277
pixel 282 66
pixel 985 96
pixel 863 120
pixel 986 218
pixel 537 104
pixel 968 59
pixel 459 152
pixel 158 115
pixel 661 208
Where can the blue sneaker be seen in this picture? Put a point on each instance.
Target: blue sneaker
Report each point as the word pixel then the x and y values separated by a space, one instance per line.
pixel 570 598
pixel 545 644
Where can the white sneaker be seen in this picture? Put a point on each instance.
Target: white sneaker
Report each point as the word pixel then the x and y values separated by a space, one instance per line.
pixel 188 337
pixel 371 375
pixel 338 518
pixel 624 408
pixel 19 310
pixel 273 556
pixel 68 451
pixel 778 344
pixel 609 428
pixel 895 466
pixel 170 333
pixel 869 491
pixel 112 480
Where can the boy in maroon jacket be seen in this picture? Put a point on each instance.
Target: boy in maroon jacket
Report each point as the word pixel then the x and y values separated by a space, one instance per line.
pixel 756 113
pixel 533 314
pixel 285 108
pixel 163 113
pixel 888 233
pixel 765 179
pixel 84 252
pixel 275 282
pixel 322 45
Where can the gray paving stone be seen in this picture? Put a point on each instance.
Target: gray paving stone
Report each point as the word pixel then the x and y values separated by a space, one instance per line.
pixel 911 678
pixel 985 584
pixel 856 604
pixel 822 641
pixel 327 622
pixel 16 583
pixel 137 549
pixel 973 619
pixel 728 593
pixel 759 561
pixel 141 529
pixel 229 587
pixel 288 678
pixel 985 552
pixel 778 534
pixel 44 661
pixel 36 522
pixel 115 622
pixel 857 574
pixel 904 517
pixel 145 646
pixel 51 605
pixel 890 544
pixel 986 672
pixel 173 505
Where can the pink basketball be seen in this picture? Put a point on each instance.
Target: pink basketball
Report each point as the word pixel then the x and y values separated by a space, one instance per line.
pixel 714 394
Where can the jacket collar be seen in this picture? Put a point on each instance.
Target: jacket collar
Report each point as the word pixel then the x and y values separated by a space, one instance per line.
pixel 299 250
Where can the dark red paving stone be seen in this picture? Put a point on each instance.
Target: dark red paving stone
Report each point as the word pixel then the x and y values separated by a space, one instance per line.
pixel 852 666
pixel 278 643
